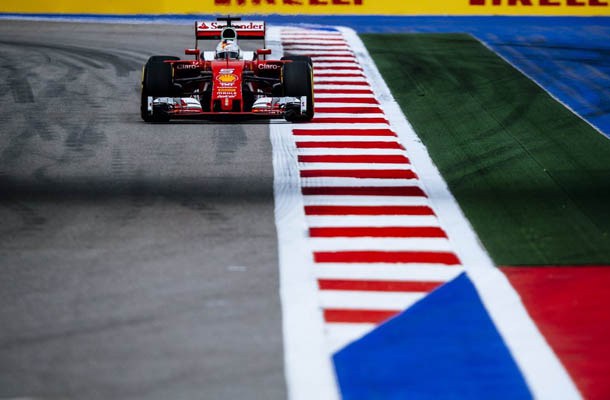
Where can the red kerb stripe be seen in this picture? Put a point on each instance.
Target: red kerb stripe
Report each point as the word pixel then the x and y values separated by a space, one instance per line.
pixel 334 68
pixel 343 132
pixel 394 257
pixel 350 110
pixel 349 120
pixel 349 145
pixel 342 83
pixel 336 75
pixel 358 316
pixel 359 173
pixel 343 91
pixel 289 47
pixel 353 100
pixel 411 191
pixel 306 39
pixel 373 159
pixel 335 57
pixel 369 210
pixel 334 60
pixel 336 42
pixel 387 232
pixel 378 286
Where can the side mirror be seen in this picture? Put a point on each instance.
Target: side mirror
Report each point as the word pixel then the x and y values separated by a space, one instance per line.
pixel 192 52
pixel 263 52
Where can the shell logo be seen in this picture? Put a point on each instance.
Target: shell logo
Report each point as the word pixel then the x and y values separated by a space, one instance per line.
pixel 227 78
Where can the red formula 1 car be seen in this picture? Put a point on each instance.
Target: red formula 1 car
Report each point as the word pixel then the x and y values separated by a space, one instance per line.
pixel 227 82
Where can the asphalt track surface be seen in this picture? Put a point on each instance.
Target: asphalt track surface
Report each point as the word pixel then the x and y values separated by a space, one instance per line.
pixel 137 261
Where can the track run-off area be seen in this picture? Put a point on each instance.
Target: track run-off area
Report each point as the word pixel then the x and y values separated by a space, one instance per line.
pixel 321 260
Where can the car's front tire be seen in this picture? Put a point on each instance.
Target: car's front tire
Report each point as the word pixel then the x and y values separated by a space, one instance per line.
pixel 156 82
pixel 297 79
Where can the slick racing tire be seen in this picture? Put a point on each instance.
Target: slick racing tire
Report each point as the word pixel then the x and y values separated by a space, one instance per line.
pixel 156 82
pixel 297 78
pixel 306 59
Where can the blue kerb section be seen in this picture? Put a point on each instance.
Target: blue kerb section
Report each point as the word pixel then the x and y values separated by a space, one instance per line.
pixel 443 347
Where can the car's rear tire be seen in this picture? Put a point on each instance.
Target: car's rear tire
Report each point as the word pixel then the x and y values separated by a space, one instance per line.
pixel 156 82
pixel 297 79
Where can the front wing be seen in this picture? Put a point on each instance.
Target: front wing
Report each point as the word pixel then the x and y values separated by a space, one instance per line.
pixel 189 107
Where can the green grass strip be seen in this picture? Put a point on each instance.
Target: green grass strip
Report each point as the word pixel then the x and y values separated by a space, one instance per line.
pixel 532 178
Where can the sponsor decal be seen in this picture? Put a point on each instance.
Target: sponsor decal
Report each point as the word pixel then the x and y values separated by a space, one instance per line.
pixel 227 79
pixel 540 3
pixel 186 66
pixel 226 92
pixel 269 66
pixel 244 26
pixel 289 2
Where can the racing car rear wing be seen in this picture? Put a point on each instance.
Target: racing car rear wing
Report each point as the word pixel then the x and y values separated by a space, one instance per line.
pixel 245 29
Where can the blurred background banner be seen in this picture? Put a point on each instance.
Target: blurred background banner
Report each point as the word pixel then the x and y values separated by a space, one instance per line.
pixel 314 7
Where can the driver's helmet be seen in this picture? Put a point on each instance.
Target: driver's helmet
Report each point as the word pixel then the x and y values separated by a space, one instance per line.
pixel 227 49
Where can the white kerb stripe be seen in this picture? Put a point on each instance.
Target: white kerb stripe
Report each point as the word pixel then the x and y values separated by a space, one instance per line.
pixel 356 182
pixel 324 200
pixel 348 166
pixel 380 244
pixel 395 272
pixel 339 151
pixel 322 79
pixel 346 64
pixel 339 104
pixel 350 95
pixel 364 300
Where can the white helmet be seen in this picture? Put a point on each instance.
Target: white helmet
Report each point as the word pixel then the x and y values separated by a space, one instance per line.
pixel 227 49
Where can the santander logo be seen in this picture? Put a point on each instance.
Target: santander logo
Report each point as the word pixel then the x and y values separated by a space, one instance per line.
pixel 246 25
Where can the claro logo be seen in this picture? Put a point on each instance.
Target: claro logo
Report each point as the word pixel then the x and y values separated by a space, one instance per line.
pixel 540 3
pixel 186 66
pixel 289 2
pixel 269 66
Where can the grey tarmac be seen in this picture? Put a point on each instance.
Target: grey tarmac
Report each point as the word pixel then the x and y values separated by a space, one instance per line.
pixel 137 261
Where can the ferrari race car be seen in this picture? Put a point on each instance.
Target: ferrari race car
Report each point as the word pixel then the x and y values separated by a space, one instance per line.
pixel 228 81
